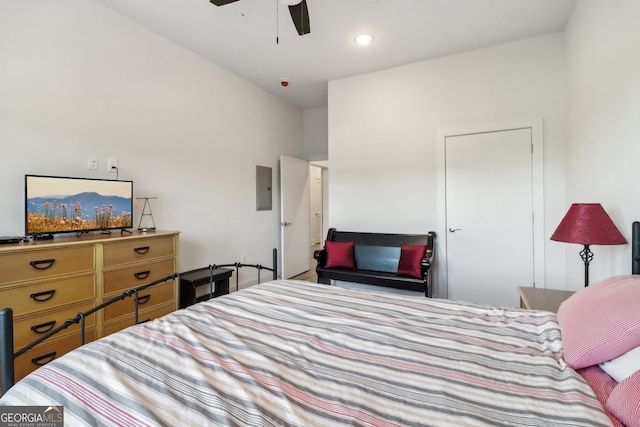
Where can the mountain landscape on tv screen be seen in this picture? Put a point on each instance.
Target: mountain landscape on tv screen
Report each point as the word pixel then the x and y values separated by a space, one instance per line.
pixel 83 211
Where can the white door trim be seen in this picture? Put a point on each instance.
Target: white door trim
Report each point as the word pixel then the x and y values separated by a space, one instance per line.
pixel 536 126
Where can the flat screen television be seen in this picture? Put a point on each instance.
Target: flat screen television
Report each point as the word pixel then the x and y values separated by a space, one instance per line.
pixel 76 205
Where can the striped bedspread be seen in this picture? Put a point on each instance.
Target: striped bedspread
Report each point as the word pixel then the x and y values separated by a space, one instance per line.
pixel 289 353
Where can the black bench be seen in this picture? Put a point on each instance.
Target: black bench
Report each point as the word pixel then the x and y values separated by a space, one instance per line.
pixel 376 258
pixel 218 281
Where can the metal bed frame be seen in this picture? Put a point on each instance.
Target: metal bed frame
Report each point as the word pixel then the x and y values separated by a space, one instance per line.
pixel 8 356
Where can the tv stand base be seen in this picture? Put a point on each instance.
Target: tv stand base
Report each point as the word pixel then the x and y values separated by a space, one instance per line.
pixel 43 237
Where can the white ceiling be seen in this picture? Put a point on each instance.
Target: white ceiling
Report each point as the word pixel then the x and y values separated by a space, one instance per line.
pixel 241 37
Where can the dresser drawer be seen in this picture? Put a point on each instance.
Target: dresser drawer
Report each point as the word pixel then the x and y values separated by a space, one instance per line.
pixel 145 315
pixel 149 297
pixel 131 277
pixel 42 264
pixel 28 330
pixel 137 250
pixel 27 299
pixel 48 351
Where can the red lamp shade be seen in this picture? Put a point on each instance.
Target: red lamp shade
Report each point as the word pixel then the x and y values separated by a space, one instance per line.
pixel 588 224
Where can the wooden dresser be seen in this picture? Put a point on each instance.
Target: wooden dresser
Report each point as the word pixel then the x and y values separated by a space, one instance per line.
pixel 47 282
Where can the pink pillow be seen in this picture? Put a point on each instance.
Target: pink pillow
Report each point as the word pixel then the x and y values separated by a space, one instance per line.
pixel 624 401
pixel 601 322
pixel 410 264
pixel 339 255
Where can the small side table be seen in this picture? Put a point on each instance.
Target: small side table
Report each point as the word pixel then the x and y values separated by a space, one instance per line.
pixel 542 298
pixel 190 281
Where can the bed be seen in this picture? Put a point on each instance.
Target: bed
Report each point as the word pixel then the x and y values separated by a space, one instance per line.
pixel 293 353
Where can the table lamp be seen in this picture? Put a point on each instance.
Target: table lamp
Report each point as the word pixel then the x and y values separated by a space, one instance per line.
pixel 587 224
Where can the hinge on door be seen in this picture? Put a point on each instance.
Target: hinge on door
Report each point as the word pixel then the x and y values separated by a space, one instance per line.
pixel 531 148
pixel 533 217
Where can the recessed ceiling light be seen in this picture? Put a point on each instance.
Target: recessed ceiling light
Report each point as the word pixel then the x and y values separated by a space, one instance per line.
pixel 364 39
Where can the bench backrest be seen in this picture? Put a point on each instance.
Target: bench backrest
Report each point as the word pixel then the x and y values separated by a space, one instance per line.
pixel 380 251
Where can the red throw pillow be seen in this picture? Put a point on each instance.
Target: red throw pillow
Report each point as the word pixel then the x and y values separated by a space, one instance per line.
pixel 410 264
pixel 339 255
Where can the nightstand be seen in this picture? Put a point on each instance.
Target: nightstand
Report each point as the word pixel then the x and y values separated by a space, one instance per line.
pixel 542 298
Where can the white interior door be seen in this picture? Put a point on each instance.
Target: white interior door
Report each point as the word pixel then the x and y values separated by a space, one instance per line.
pixel 294 216
pixel 489 216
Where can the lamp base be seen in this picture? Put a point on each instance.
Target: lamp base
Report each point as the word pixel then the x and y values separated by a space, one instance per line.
pixel 586 256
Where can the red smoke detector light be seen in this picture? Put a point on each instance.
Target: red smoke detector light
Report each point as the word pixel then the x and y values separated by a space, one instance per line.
pixel 284 82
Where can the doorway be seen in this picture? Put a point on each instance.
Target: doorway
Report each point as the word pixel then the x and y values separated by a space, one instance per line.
pixel 303 206
pixel 316 214
pixel 491 227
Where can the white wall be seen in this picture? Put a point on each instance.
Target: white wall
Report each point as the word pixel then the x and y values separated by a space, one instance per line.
pixel 383 133
pixel 603 125
pixel 315 131
pixel 76 79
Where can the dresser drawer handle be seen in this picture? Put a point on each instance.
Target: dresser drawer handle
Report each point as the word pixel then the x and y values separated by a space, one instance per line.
pixel 37 329
pixel 38 360
pixel 141 250
pixel 142 274
pixel 39 296
pixel 144 299
pixel 37 264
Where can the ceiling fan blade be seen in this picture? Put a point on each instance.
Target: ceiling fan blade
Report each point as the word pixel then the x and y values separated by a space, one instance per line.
pixel 300 16
pixel 222 2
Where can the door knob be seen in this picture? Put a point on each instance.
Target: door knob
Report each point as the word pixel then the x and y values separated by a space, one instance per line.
pixel 284 224
pixel 453 230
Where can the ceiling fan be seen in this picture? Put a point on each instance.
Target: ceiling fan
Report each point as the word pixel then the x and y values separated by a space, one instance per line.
pixel 297 9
